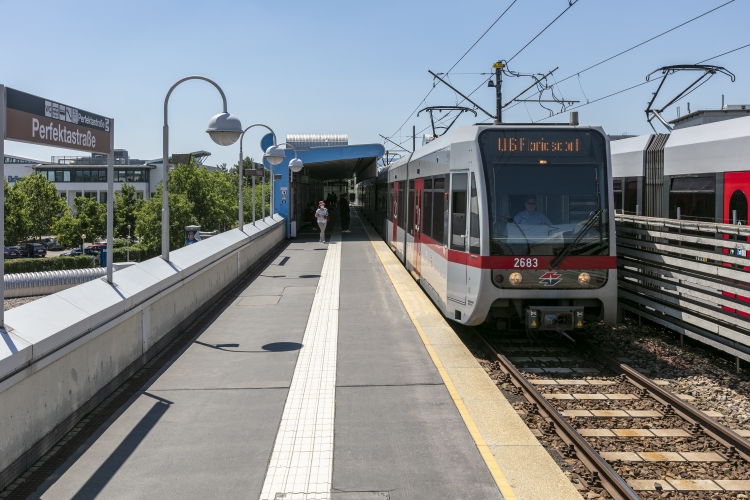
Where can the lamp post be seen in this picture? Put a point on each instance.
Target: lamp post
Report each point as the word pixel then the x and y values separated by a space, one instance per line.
pixel 275 155
pixel 241 215
pixel 83 242
pixel 224 130
pixel 127 258
pixel 295 165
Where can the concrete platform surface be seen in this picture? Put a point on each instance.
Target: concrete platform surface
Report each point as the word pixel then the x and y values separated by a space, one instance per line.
pixel 328 376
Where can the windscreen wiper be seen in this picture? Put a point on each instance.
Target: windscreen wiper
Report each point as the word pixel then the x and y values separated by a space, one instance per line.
pixel 567 248
pixel 523 233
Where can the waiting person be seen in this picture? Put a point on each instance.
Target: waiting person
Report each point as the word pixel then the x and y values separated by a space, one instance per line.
pixel 530 216
pixel 321 214
pixel 344 211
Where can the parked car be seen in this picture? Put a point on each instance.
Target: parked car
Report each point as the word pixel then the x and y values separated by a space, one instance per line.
pixel 75 252
pixel 12 253
pixel 32 250
pixel 54 245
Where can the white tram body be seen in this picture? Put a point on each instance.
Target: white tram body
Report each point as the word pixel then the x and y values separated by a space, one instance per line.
pixel 459 213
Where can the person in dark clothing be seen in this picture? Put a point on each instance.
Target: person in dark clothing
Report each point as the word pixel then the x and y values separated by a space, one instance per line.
pixel 343 205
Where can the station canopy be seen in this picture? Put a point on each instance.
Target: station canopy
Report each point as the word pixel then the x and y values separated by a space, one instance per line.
pixel 330 156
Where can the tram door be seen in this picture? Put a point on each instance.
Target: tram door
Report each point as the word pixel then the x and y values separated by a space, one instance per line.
pixel 394 239
pixel 418 189
pixel 459 204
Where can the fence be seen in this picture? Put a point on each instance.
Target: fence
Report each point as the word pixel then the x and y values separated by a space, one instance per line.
pixel 691 277
pixel 47 282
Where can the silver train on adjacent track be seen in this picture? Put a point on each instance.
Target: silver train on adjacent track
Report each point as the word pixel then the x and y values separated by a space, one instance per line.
pixel 509 224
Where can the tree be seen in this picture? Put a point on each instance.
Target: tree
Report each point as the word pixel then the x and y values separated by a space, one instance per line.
pixel 16 227
pixel 148 219
pixel 41 205
pixel 88 217
pixel 126 206
pixel 212 194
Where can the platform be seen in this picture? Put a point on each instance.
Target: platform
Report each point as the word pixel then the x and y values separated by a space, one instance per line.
pixel 329 375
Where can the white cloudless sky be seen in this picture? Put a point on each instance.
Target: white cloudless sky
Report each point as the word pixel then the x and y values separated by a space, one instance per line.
pixel 358 68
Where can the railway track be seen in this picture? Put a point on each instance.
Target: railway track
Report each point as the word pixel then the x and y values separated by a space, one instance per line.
pixel 622 434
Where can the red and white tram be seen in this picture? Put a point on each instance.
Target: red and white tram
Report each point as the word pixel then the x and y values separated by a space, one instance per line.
pixel 505 223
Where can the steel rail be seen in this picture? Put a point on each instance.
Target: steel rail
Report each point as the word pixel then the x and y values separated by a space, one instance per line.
pixel 611 481
pixel 714 429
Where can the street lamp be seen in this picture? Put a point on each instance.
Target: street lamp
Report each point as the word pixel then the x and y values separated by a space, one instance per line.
pixel 275 155
pixel 295 165
pixel 83 242
pixel 224 130
pixel 127 258
pixel 241 215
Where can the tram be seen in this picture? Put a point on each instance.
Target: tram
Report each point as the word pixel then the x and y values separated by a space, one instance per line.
pixel 508 224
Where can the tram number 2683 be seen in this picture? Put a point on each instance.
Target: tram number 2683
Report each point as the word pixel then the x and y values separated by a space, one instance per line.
pixel 525 262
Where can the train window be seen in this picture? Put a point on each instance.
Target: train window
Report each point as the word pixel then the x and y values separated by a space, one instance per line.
pixel 738 204
pixel 695 196
pixel 428 183
pixel 427 210
pixel 410 221
pixel 401 205
pixel 458 211
pixel 440 210
pixel 617 192
pixel 389 212
pixel 630 193
pixel 547 191
pixel 474 218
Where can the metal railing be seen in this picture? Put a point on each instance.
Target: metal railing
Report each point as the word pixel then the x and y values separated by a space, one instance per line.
pixel 691 277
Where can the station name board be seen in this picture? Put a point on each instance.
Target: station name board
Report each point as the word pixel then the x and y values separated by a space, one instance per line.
pixel 38 120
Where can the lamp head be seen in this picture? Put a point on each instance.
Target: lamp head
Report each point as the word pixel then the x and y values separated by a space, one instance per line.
pixel 224 129
pixel 490 83
pixel 274 155
pixel 295 165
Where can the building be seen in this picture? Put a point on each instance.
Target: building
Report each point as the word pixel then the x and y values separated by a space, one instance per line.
pixel 17 167
pixel 86 176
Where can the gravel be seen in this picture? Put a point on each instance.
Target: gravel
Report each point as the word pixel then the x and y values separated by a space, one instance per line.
pixel 693 369
pixel 11 303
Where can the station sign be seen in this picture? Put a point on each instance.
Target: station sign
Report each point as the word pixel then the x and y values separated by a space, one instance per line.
pixel 37 120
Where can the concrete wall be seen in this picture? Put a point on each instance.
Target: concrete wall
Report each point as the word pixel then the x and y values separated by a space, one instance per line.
pixel 60 351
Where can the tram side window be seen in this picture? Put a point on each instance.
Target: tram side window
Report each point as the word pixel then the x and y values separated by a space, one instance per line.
pixel 458 212
pixel 630 192
pixel 410 222
pixel 696 197
pixel 617 192
pixel 427 208
pixel 439 210
pixel 474 218
pixel 401 205
pixel 389 213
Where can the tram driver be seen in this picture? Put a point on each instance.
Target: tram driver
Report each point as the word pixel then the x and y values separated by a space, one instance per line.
pixel 530 217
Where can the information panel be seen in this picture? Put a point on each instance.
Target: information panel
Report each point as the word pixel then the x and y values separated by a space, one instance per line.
pixel 37 120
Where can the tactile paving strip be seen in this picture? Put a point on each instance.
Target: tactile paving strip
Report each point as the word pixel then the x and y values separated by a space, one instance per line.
pixel 301 465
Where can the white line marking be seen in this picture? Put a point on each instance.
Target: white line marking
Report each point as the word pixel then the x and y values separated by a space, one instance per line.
pixel 301 464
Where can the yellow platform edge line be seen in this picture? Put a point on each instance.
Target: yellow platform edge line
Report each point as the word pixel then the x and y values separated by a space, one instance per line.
pixel 484 450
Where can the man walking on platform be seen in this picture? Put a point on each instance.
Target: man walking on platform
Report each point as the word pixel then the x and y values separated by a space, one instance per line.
pixel 344 210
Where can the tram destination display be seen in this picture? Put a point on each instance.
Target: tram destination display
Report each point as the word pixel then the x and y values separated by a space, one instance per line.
pixel 38 120
pixel 534 142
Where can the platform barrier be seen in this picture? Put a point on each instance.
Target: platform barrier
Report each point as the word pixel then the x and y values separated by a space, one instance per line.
pixel 61 355
pixel 691 277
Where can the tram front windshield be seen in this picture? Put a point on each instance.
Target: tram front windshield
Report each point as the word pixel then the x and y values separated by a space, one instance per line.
pixel 547 191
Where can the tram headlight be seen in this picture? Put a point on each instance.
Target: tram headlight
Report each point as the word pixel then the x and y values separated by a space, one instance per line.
pixel 584 279
pixel 515 279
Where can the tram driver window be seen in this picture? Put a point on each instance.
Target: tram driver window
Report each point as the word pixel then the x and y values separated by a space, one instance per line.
pixel 458 212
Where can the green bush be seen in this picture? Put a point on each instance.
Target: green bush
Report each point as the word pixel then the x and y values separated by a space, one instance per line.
pixel 138 253
pixel 119 243
pixel 48 264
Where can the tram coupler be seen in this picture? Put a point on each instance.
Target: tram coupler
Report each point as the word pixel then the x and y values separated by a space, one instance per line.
pixel 554 318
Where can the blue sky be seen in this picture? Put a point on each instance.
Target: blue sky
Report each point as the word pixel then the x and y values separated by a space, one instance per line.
pixel 348 67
